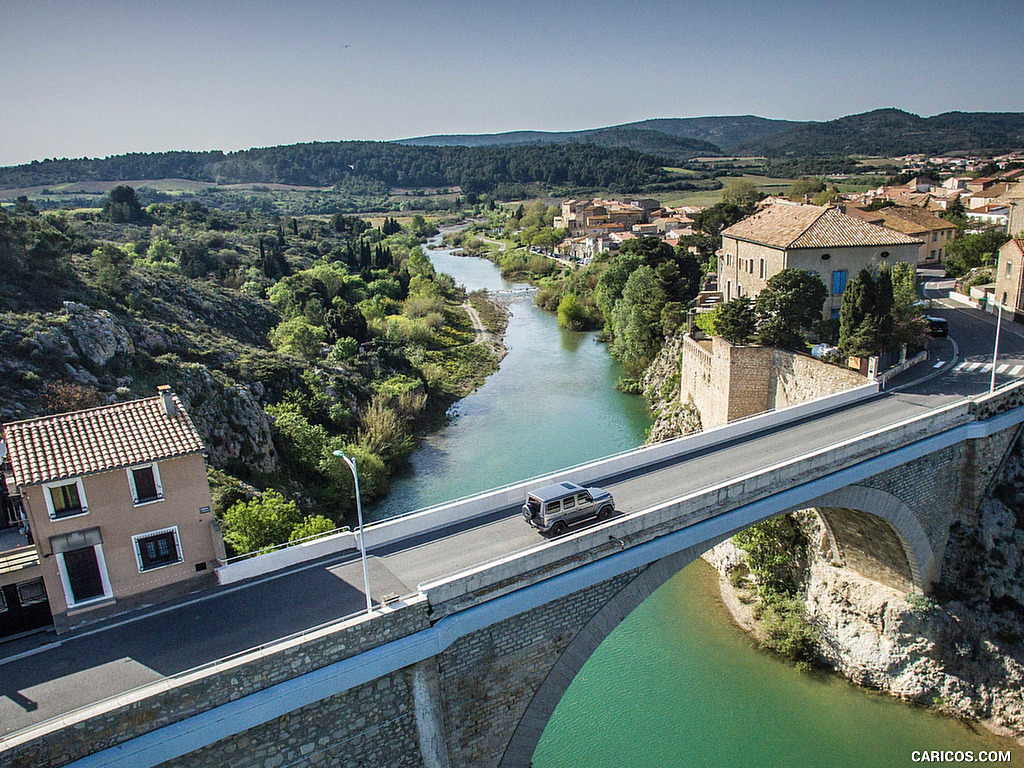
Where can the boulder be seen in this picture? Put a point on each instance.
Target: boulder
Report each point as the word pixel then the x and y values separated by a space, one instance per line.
pixel 97 334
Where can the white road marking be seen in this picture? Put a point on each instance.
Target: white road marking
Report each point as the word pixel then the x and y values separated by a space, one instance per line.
pixel 1015 371
pixel 939 364
pixel 972 367
pixel 1002 368
pixel 986 367
pixel 962 365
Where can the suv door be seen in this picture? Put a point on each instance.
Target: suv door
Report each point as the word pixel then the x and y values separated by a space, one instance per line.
pixel 569 509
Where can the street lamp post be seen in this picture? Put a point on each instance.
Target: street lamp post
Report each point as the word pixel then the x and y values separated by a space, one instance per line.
pixel 995 349
pixel 359 512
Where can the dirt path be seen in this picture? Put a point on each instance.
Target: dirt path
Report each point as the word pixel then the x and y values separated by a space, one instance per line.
pixel 483 336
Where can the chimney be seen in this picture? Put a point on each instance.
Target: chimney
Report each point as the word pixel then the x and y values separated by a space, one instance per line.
pixel 170 409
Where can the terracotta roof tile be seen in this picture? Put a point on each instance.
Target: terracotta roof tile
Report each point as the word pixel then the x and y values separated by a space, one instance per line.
pixel 812 226
pixel 98 440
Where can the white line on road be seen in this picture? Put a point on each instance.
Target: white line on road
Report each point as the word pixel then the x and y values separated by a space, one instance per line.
pixel 986 367
pixel 1002 368
pixel 939 364
pixel 972 367
pixel 1016 370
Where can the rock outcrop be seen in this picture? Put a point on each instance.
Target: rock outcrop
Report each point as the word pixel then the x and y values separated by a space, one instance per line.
pixel 97 334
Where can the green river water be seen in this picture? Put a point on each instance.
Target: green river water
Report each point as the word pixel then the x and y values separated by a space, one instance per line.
pixel 677 684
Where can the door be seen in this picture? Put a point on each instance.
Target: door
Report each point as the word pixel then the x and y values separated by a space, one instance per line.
pixel 83 574
pixel 23 607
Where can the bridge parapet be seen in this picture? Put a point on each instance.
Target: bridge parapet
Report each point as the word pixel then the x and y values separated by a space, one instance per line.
pixel 794 481
pixel 133 714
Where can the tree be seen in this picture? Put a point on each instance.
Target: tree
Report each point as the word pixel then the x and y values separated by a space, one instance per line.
pixel 122 205
pixel 310 527
pixel 908 322
pixel 113 265
pixel 805 186
pixel 789 304
pixel 266 521
pixel 735 321
pixel 298 337
pixel 637 320
pixel 975 249
pixel 740 192
pixel 858 321
pixel 827 196
pixel 571 314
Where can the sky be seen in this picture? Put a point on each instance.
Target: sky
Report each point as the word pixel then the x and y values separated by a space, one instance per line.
pixel 91 79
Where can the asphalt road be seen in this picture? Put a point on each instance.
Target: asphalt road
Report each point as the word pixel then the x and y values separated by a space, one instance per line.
pixel 38 682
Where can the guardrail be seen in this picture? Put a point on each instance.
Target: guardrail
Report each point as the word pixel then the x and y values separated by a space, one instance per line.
pixel 478 505
pixel 687 509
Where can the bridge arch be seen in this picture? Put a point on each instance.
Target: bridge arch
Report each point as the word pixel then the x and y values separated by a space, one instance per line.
pixel 862 522
pixel 878 535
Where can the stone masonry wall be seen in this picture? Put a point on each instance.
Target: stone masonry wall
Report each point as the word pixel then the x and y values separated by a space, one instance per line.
pixel 105 730
pixel 488 678
pixel 372 725
pixel 728 382
pixel 798 378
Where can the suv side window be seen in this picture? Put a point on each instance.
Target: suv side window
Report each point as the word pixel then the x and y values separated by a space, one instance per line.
pixel 552 507
pixel 569 502
pixel 584 498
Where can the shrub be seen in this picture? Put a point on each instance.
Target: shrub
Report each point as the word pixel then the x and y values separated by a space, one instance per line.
pixel 786 630
pixel 312 526
pixel 266 521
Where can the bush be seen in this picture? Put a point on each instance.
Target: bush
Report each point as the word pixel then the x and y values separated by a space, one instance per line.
pixel 298 337
pixel 251 526
pixel 786 630
pixel 312 526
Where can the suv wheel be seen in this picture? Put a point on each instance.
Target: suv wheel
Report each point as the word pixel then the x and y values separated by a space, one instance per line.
pixel 605 513
pixel 559 528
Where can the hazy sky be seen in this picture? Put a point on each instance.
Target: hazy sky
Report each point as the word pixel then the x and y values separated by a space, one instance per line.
pixel 97 78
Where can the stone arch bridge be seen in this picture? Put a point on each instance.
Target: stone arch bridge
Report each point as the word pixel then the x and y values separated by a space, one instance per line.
pixel 467 671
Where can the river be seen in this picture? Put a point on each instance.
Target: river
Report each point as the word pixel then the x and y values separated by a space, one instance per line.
pixel 677 683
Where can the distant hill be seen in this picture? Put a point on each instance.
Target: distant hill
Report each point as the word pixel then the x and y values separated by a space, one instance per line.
pixel 895 132
pixel 678 138
pixel 363 165
pixel 652 142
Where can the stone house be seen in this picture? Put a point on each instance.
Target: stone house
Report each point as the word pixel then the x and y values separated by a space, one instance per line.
pixel 817 239
pixel 1010 278
pixel 117 504
pixel 935 233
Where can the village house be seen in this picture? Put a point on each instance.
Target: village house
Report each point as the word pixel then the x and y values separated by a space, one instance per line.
pixel 115 505
pixel 817 239
pixel 934 233
pixel 1009 291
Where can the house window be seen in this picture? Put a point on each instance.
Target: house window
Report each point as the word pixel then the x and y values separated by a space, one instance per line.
pixel 762 269
pixel 31 592
pixel 935 236
pixel 838 282
pixel 932 257
pixel 145 484
pixel 1009 268
pixel 157 549
pixel 65 499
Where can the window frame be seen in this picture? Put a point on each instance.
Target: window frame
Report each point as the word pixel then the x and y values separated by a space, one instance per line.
pixel 137 538
pixel 83 502
pixel 136 501
pixel 41 598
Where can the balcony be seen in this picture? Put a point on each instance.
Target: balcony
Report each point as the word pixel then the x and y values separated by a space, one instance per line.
pixel 16 552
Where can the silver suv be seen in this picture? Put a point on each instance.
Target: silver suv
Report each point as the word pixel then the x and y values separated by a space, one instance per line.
pixel 553 508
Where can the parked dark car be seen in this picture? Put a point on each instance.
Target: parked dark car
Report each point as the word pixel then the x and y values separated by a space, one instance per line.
pixel 937 326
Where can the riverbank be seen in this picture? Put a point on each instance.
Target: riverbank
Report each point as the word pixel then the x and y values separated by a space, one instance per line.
pixel 958 660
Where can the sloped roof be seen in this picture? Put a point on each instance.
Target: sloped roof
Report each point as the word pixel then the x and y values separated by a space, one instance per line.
pixel 812 226
pixel 98 440
pixel 911 220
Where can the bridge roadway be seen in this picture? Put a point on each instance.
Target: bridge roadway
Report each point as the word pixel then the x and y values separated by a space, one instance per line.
pixel 117 656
